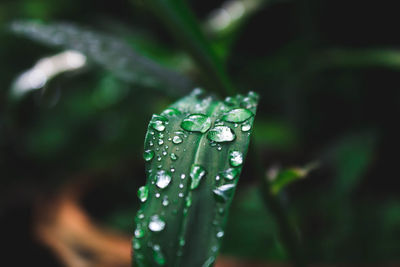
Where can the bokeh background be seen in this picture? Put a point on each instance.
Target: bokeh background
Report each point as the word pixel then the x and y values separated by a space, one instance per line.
pixel 71 145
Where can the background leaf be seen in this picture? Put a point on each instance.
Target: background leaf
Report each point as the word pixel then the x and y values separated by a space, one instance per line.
pixel 109 51
pixel 183 25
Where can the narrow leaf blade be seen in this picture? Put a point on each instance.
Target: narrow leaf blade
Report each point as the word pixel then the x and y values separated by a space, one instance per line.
pixel 194 151
pixel 111 52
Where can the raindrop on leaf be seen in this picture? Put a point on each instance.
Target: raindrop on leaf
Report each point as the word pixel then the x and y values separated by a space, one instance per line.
pixel 231 173
pixel 162 178
pixel 221 134
pixel 235 158
pixel 196 173
pixel 148 155
pixel 143 192
pixel 237 115
pixel 196 123
pixel 158 123
pixel 156 224
pixel 224 192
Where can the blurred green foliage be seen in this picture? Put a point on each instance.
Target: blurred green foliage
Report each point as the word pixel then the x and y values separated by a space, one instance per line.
pixel 328 78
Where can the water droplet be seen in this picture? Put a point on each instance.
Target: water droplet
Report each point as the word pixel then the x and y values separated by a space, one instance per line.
pixel 231 173
pixel 164 153
pixel 181 185
pixel 182 242
pixel 220 234
pixel 158 123
pixel 217 178
pixel 156 224
pixel 158 158
pixel 250 101
pixel 180 194
pixel 209 262
pixel 136 244
pixel 158 195
pixel 148 155
pixel 224 192
pixel 162 178
pixel 172 170
pixel 165 201
pixel 160 142
pixel 173 156
pixel 230 101
pixel 151 143
pixel 158 255
pixel 170 112
pixel 183 176
pixel 139 233
pixel 189 201
pixel 235 158
pixel 196 173
pixel 246 127
pixel 237 115
pixel 221 134
pixel 196 123
pixel 143 192
pixel 177 139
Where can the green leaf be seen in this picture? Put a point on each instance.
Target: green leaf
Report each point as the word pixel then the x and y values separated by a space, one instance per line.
pixel 193 162
pixel 279 179
pixel 183 25
pixel 109 51
pixel 352 156
pixel 358 58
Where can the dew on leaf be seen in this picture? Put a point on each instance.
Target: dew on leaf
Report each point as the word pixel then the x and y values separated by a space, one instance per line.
pixel 177 139
pixel 170 112
pixel 162 178
pixel 220 234
pixel 196 123
pixel 148 155
pixel 188 200
pixel 224 192
pixel 230 173
pixel 196 173
pixel 139 233
pixel 143 192
pixel 221 134
pixel 246 127
pixel 156 224
pixel 165 201
pixel 136 244
pixel 237 115
pixel 158 255
pixel 173 156
pixel 235 158
pixel 158 123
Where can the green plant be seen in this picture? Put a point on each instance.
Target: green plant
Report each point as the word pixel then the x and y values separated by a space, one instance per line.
pixel 194 149
pixel 194 152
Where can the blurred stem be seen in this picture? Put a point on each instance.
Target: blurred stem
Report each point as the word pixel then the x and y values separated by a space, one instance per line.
pixel 287 231
pixel 183 25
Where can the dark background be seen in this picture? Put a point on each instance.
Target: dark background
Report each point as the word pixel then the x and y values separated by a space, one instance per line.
pixel 328 76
